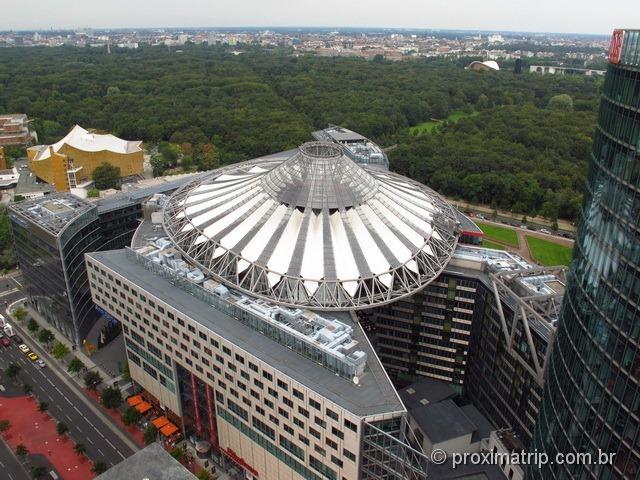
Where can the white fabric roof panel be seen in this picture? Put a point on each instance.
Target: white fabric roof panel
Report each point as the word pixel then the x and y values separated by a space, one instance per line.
pixel 376 245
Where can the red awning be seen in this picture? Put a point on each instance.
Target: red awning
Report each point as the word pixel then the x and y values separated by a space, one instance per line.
pixel 160 422
pixel 135 400
pixel 169 429
pixel 143 407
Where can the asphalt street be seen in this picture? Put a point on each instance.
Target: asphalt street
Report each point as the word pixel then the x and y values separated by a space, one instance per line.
pixel 66 403
pixel 10 466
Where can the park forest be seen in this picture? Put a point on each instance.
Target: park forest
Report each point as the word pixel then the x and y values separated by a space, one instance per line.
pixel 518 142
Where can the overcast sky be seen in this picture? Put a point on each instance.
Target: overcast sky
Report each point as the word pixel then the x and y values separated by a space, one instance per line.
pixel 579 16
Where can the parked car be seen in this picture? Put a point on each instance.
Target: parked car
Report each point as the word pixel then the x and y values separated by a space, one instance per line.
pixel 41 363
pixel 480 216
pixel 5 342
pixel 23 348
pixel 17 339
pixel 32 356
pixel 544 230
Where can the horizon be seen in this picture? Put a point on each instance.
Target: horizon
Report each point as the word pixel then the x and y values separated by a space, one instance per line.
pixel 571 16
pixel 302 28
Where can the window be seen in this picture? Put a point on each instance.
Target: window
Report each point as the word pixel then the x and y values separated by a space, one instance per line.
pixel 291 447
pixel 332 414
pixel 237 409
pixel 331 443
pixel 283 385
pixel 283 413
pixel 298 394
pixel 287 402
pixel 264 428
pixel 303 439
pixel 314 433
pixel 336 461
pixel 303 411
pixel 299 423
pixel 320 450
pixel 272 392
pixel 351 425
pixel 320 422
pixel 253 367
pixel 267 375
pixel 349 455
pixel 314 404
pixel 322 468
pixel 337 433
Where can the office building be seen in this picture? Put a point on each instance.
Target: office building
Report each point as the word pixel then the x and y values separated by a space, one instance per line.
pixel 592 395
pixel 237 301
pixel 476 326
pixel 52 233
pixel 14 130
pixel 70 162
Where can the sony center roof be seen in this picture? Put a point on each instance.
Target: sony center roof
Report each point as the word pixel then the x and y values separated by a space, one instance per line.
pixel 315 230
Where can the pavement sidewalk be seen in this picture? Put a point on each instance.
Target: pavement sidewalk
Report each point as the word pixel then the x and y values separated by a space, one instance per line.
pixel 58 337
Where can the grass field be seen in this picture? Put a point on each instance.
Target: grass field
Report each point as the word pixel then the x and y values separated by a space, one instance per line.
pixel 500 234
pixel 430 126
pixel 549 253
pixel 490 244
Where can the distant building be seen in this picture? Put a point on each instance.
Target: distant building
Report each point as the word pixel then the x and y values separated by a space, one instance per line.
pixel 3 159
pixel 70 162
pixel 488 66
pixel 553 70
pixel 14 129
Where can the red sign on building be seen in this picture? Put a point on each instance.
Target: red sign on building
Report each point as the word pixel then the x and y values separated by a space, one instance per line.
pixel 615 48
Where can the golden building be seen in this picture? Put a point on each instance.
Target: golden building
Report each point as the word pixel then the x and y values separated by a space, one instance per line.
pixel 71 161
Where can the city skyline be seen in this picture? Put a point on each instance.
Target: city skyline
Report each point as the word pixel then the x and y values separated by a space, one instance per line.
pixel 500 15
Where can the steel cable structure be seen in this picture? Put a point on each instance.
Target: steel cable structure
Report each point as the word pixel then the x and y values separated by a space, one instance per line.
pixel 316 230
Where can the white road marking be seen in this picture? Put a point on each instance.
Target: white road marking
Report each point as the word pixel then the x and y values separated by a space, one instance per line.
pixel 90 441
pixel 19 284
pixel 101 452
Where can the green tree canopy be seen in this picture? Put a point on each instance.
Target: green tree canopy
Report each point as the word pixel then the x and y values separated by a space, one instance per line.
pixel 561 102
pixel 106 176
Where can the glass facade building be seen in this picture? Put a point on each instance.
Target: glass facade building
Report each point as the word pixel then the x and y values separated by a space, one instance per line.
pixel 592 395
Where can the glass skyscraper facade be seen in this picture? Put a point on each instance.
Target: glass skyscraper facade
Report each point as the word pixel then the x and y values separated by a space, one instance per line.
pixel 592 394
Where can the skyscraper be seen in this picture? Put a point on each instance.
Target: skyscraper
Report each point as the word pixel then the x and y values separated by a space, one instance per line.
pixel 592 394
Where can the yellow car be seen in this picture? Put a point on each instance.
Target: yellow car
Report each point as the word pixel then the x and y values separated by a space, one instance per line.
pixel 32 356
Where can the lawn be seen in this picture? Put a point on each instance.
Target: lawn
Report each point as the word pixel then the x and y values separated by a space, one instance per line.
pixel 549 253
pixel 490 244
pixel 430 126
pixel 495 233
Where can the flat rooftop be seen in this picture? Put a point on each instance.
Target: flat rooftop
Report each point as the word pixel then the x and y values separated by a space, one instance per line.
pixel 52 212
pixel 150 463
pixel 374 394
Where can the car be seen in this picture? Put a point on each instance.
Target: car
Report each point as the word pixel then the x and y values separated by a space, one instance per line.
pixel 32 356
pixel 16 338
pixel 5 342
pixel 41 363
pixel 544 230
pixel 23 348
pixel 480 216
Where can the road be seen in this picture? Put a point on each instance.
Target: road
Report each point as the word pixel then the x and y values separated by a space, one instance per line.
pixel 10 467
pixel 66 403
pixel 85 426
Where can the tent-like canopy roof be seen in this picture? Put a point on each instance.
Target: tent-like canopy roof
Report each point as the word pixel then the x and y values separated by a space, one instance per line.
pixel 316 230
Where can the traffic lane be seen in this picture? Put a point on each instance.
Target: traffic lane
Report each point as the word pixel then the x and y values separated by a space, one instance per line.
pixel 85 427
pixel 10 283
pixel 81 427
pixel 114 434
pixel 10 467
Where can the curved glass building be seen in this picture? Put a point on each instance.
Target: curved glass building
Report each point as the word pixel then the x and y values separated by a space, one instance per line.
pixel 592 395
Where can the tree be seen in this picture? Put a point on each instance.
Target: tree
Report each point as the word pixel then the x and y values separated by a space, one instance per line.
pixel 45 336
pixel 524 220
pixel 561 102
pixel 131 416
pixel 93 193
pixel 80 448
pixel 12 371
pixel 20 313
pixel 62 428
pixel 43 406
pixel 27 389
pixel 150 434
pixel 4 425
pixel 75 365
pixel 60 350
pixel 159 165
pixel 21 451
pixel 106 176
pixel 99 467
pixel 92 379
pixel 178 453
pixel 38 471
pixel 32 325
pixel 204 474
pixel 111 397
